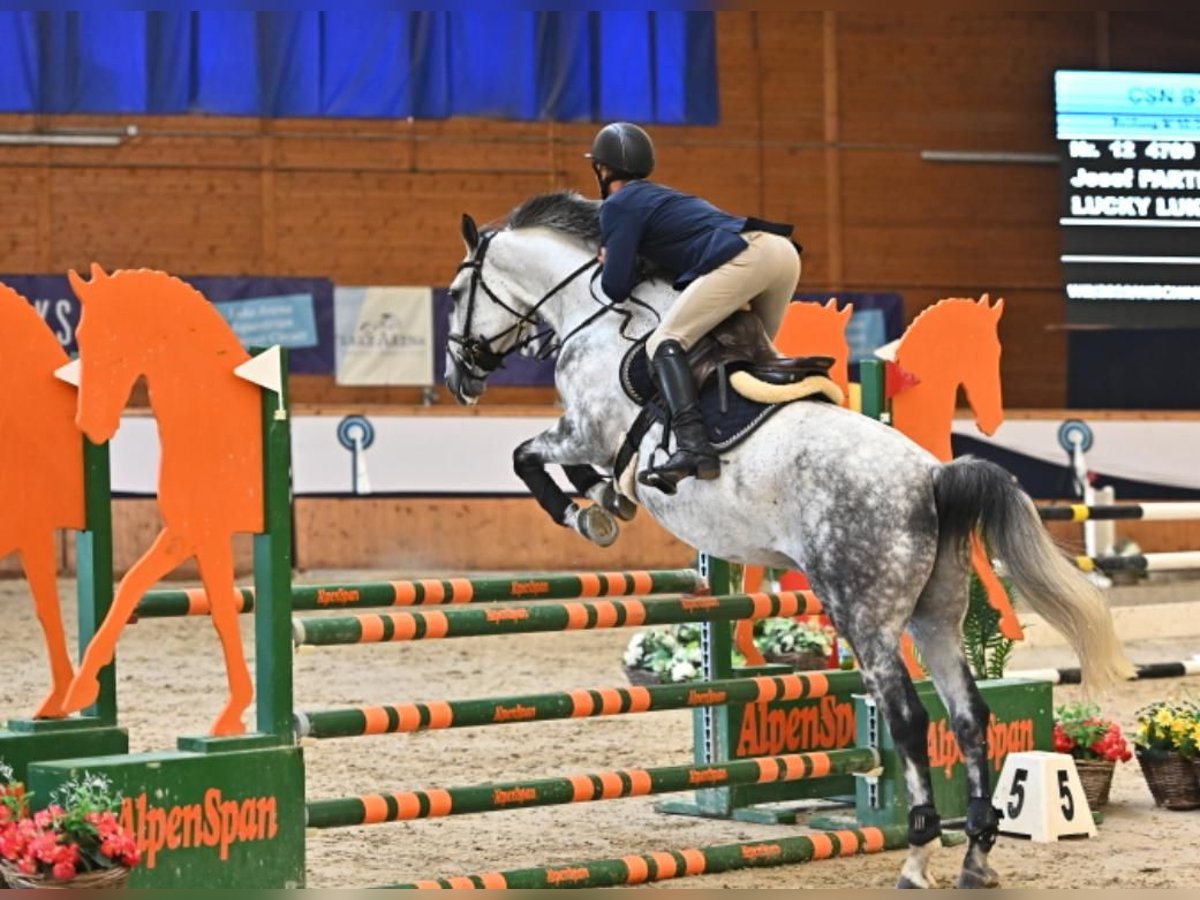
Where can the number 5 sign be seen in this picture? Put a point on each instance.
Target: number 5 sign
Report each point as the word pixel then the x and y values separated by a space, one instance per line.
pixel 1039 796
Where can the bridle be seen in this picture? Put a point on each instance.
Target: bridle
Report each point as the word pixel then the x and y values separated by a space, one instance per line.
pixel 476 356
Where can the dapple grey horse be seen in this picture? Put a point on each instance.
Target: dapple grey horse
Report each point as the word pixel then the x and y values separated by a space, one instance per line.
pixel 878 524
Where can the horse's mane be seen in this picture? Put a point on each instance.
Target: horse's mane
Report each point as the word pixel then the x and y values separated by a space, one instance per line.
pixel 566 212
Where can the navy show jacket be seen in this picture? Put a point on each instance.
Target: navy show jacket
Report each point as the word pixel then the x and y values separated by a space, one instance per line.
pixel 682 236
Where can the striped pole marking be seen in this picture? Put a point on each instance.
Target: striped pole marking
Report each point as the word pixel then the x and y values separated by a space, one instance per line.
pixel 418 626
pixel 1149 512
pixel 403 806
pixel 650 867
pixel 1141 563
pixel 434 591
pixel 405 718
pixel 1144 672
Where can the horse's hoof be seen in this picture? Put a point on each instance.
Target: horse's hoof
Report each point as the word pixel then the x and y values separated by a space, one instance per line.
pixel 907 884
pixel 625 509
pixel 615 502
pixel 595 524
pixel 621 507
pixel 975 879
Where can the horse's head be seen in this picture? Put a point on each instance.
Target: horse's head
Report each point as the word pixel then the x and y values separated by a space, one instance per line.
pixel 109 367
pixel 489 316
pixel 981 378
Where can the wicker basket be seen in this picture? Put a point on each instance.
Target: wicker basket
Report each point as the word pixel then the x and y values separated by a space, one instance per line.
pixel 641 677
pixel 801 661
pixel 1096 776
pixel 1172 780
pixel 101 879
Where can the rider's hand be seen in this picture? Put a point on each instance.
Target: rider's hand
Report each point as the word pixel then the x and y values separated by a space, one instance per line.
pixel 600 256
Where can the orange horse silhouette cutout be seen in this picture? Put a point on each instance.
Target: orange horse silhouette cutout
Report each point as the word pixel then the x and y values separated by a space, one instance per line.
pixel 813 329
pixel 41 470
pixel 954 343
pixel 145 323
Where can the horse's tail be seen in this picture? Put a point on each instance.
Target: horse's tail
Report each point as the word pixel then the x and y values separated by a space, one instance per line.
pixel 974 493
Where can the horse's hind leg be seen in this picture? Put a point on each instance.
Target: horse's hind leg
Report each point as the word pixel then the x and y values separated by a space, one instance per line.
pixel 874 630
pixel 937 628
pixel 40 565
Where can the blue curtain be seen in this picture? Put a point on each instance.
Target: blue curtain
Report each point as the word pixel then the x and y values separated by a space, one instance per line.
pixel 589 66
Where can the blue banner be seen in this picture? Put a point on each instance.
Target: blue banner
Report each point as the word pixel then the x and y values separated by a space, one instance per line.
pixel 294 312
pixel 288 320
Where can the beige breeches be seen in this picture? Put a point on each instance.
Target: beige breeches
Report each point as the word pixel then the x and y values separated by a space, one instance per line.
pixel 764 275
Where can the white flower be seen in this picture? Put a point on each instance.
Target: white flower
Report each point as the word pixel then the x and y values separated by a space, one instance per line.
pixel 634 652
pixel 683 671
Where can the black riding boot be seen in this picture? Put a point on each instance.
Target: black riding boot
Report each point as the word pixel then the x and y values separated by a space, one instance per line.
pixel 694 455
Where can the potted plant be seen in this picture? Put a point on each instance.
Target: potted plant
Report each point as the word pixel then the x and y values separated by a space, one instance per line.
pixel 666 655
pixel 795 642
pixel 1096 745
pixel 986 648
pixel 76 842
pixel 1166 741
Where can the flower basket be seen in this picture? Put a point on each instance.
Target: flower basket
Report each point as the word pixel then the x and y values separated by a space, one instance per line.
pixel 1096 776
pixel 101 879
pixel 800 660
pixel 642 677
pixel 1171 779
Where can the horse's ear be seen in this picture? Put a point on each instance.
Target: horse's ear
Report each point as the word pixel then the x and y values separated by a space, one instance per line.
pixel 847 311
pixel 98 272
pixel 998 309
pixel 78 285
pixel 470 233
pixel 831 303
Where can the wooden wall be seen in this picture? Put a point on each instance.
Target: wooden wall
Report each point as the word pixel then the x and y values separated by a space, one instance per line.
pixel 824 117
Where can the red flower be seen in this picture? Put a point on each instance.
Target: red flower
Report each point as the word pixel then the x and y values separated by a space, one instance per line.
pixel 64 871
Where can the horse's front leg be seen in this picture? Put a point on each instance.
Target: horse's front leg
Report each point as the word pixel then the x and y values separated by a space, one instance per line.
pixel 561 445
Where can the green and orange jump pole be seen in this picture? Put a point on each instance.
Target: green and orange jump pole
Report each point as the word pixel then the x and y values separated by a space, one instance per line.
pixel 547 617
pixel 439 591
pixel 645 868
pixel 407 718
pixel 402 806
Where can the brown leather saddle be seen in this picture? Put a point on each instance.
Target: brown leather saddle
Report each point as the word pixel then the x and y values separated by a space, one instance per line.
pixel 740 343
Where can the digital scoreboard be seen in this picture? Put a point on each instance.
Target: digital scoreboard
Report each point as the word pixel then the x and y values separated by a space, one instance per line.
pixel 1130 200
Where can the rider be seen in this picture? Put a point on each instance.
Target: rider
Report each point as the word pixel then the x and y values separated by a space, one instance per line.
pixel 719 261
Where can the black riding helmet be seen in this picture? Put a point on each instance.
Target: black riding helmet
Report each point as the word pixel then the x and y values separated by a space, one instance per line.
pixel 626 149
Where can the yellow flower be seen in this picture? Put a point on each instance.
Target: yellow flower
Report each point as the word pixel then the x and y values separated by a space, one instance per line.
pixel 1143 731
pixel 1196 733
pixel 1163 717
pixel 1180 727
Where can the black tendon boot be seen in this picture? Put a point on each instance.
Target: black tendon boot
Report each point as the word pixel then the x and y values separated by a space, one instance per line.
pixel 694 455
